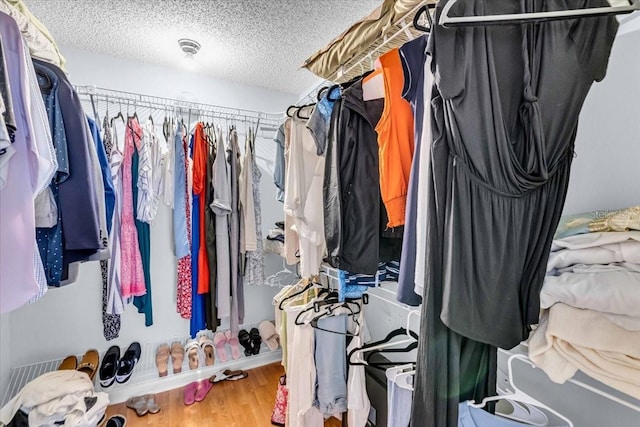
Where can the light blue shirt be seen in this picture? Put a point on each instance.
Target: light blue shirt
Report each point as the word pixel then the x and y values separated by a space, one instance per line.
pixel 180 235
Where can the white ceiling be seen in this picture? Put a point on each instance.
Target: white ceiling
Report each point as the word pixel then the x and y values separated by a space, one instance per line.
pixel 257 42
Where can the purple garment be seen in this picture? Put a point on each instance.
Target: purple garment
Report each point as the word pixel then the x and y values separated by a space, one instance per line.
pixel 17 228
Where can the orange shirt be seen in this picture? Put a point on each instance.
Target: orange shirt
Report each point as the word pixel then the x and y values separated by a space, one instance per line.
pixel 395 140
pixel 200 155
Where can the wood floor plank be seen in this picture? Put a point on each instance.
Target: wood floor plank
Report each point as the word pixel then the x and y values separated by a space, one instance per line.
pixel 243 403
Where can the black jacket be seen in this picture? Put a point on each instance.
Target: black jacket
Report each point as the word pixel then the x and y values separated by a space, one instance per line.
pixel 351 188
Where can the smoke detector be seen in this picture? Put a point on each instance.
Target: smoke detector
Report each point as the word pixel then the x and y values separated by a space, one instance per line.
pixel 189 47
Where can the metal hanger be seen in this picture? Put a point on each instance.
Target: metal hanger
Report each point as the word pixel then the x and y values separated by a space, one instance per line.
pixel 520 18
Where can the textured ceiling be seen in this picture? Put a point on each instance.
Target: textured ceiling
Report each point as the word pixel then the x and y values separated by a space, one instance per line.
pixel 255 42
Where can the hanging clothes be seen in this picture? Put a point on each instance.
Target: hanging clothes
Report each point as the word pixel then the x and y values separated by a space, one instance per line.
pixel 132 272
pixel 141 187
pixel 414 58
pixel 210 240
pixel 237 285
pixel 514 162
pixel 182 225
pixel 19 284
pixel 303 196
pixel 395 140
pixel 254 271
pixel 221 206
pixel 198 315
pixel 111 322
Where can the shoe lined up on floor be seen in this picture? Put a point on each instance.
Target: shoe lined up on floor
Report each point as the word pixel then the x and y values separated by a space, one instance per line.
pixel 143 405
pixel 88 364
pixel 196 391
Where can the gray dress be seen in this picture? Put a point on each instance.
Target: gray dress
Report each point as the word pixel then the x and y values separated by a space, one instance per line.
pixel 504 119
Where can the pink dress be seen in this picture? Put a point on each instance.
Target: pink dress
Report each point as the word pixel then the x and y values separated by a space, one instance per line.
pixel 184 302
pixel 131 272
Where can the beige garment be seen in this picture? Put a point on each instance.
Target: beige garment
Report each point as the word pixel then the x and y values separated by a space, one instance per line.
pixel 249 241
pixel 22 8
pixel 568 339
pixel 40 47
pixel 358 37
pixel 291 240
pixel 622 220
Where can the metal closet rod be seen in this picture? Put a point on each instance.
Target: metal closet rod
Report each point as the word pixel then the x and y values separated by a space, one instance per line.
pixel 171 104
pixel 406 21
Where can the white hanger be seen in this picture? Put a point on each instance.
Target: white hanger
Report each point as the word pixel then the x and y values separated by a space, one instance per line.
pixel 447 21
pixel 518 395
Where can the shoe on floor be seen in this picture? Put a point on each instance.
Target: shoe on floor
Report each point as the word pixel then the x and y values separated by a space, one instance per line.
pixel 138 404
pixel 116 421
pixel 89 363
pixel 128 362
pixel 109 366
pixel 152 406
pixel 69 363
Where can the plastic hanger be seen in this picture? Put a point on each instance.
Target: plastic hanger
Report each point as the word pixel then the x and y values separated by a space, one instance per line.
pixel 401 375
pixel 385 343
pixel 416 18
pixel 518 395
pixel 520 18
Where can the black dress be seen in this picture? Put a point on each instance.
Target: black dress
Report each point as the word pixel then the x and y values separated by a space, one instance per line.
pixel 504 119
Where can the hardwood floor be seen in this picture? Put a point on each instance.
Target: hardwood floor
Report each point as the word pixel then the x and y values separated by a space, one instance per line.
pixel 243 403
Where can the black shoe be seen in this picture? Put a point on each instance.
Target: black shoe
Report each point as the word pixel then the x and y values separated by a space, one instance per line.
pixel 128 362
pixel 245 341
pixel 117 421
pixel 256 340
pixel 109 367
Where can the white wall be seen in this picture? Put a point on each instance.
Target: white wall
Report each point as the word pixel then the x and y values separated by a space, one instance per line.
pixel 68 320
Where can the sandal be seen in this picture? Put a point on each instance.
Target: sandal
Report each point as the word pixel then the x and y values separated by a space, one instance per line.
pixel 204 387
pixel 128 362
pixel 109 366
pixel 162 360
pixel 193 354
pixel 256 340
pixel 190 393
pixel 69 363
pixel 206 344
pixel 89 363
pixel 138 404
pixel 177 357
pixel 234 344
pixel 152 406
pixel 245 341
pixel 219 340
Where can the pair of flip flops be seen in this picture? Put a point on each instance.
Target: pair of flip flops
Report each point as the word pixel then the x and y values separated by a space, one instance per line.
pixel 119 369
pixel 251 341
pixel 220 339
pixel 196 391
pixel 229 375
pixel 143 405
pixel 176 351
pixel 88 364
pixel 200 348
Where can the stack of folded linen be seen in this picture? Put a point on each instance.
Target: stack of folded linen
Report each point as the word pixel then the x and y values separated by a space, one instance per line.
pixel 590 301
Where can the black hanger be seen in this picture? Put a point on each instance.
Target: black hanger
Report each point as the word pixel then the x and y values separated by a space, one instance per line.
pixel 390 336
pixel 302 108
pixel 416 18
pixel 289 112
pixel 321 92
pixel 151 119
pixel 118 116
pixel 288 297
